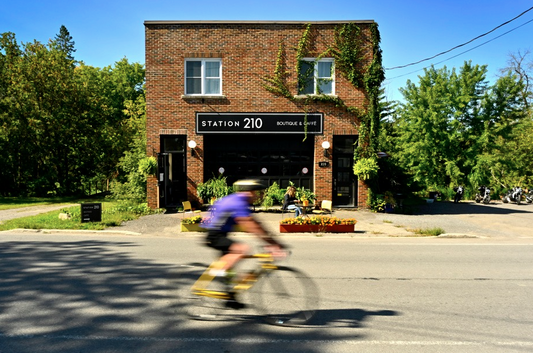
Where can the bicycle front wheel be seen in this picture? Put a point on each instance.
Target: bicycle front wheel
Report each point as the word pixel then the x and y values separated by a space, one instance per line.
pixel 287 297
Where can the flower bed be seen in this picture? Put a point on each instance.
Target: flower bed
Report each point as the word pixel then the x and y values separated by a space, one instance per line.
pixel 317 224
pixel 198 223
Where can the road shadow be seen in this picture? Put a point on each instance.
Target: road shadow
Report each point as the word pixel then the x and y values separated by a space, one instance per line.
pixel 347 317
pixel 99 296
pixel 471 207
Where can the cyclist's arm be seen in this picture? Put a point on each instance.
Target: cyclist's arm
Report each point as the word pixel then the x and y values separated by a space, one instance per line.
pixel 250 225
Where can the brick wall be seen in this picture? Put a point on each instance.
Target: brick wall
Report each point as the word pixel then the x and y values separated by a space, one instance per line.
pixel 248 52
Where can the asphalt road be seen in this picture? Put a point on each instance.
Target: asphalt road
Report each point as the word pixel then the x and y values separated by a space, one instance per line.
pixel 118 293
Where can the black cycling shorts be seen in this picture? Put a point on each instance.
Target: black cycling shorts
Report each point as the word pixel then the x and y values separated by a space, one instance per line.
pixel 219 241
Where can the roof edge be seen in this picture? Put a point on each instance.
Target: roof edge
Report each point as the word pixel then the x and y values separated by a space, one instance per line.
pixel 180 22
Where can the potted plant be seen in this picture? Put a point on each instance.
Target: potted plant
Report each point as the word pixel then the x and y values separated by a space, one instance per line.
pixel 213 189
pixel 305 195
pixel 390 202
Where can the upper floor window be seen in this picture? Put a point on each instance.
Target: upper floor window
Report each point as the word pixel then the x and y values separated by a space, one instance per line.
pixel 203 76
pixel 317 76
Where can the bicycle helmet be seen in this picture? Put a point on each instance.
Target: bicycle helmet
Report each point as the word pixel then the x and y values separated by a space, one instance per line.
pixel 248 185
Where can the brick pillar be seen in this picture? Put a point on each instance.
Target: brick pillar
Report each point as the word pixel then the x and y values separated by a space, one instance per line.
pixel 152 192
pixel 363 193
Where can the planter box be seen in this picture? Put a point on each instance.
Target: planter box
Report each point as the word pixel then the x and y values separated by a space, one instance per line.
pixel 197 228
pixel 297 228
pixel 192 228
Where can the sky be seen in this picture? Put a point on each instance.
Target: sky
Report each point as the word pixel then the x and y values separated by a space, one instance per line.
pixel 105 32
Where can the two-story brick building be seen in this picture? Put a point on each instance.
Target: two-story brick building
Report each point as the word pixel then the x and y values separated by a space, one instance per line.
pixel 252 99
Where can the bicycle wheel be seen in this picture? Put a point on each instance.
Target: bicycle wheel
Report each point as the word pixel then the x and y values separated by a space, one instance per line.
pixel 208 308
pixel 287 297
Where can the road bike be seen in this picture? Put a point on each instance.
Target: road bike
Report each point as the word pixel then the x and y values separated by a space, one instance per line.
pixel 282 295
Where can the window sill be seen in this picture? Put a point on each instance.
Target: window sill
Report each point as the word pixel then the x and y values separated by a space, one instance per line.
pixel 304 96
pixel 201 96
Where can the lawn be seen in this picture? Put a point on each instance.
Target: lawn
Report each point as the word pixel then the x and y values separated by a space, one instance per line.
pixel 113 214
pixel 7 203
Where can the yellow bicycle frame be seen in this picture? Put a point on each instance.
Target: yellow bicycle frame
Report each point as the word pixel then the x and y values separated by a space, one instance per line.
pixel 266 263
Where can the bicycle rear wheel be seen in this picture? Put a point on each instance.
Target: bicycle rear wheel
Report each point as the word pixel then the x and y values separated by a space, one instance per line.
pixel 287 297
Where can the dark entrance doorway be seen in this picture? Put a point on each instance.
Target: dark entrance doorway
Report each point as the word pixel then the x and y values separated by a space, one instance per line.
pixel 272 158
pixel 344 180
pixel 172 171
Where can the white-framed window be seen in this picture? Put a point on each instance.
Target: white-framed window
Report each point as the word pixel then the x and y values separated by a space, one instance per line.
pixel 203 76
pixel 317 76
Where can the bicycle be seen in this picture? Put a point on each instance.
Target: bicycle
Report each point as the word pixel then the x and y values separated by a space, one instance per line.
pixel 285 296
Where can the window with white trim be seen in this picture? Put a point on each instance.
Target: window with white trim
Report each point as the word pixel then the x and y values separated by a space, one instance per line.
pixel 203 76
pixel 317 76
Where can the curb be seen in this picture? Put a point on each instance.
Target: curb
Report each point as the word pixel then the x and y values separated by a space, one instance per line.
pixel 458 235
pixel 70 231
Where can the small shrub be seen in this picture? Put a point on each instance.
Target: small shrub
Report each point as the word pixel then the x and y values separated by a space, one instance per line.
pixel 377 203
pixel 430 231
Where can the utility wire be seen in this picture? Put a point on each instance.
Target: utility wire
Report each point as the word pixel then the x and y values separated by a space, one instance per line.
pixel 460 45
pixel 466 51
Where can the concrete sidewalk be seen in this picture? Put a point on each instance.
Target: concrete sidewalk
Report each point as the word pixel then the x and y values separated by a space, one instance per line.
pixel 368 224
pixel 466 219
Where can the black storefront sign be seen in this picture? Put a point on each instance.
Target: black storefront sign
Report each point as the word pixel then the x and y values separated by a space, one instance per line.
pixel 264 123
pixel 91 212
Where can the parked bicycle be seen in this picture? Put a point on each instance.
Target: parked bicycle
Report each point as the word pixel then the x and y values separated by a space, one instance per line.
pixel 283 295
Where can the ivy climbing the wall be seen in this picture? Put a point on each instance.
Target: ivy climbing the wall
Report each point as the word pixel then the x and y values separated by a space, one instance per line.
pixel 348 50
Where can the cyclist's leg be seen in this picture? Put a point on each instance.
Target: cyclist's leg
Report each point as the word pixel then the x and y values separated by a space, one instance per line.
pixel 231 253
pixel 235 253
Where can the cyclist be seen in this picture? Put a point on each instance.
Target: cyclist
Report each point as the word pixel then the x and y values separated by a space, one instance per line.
pixel 232 210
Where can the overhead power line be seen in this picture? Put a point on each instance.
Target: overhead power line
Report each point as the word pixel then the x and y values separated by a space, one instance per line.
pixel 460 45
pixel 461 53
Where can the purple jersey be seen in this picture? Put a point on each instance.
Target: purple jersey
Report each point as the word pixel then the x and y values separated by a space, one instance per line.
pixel 226 210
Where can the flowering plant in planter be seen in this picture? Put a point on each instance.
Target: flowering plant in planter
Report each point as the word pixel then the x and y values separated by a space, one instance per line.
pixel 192 220
pixel 199 223
pixel 318 220
pixel 196 220
pixel 328 224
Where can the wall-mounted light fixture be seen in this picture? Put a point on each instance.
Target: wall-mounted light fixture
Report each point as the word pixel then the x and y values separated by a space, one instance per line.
pixel 192 146
pixel 326 145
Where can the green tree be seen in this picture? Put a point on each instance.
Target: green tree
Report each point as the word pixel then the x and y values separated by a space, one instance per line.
pixel 63 41
pixel 134 165
pixel 451 122
pixel 62 125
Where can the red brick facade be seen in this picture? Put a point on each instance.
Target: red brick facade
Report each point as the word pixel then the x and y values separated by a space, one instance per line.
pixel 249 52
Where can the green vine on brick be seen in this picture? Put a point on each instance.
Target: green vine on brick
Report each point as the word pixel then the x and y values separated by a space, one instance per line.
pixel 301 52
pixel 372 79
pixel 277 83
pixel 348 52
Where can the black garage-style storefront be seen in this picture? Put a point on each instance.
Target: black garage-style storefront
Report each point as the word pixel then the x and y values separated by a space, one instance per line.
pixel 274 147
